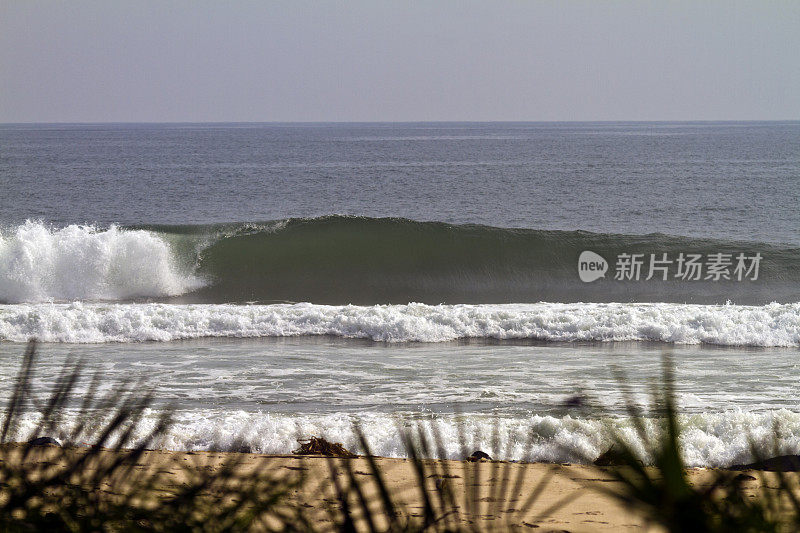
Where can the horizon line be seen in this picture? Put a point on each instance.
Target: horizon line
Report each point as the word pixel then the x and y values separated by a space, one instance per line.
pixel 309 122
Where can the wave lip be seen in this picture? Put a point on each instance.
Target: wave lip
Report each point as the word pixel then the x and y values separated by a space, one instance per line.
pixel 39 263
pixel 727 325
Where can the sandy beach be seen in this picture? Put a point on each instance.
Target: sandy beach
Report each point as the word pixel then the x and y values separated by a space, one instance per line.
pixel 501 487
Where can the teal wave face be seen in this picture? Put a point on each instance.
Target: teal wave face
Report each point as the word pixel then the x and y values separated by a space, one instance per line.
pixel 340 259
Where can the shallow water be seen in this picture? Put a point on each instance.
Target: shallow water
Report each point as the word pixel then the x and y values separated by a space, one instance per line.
pixel 270 391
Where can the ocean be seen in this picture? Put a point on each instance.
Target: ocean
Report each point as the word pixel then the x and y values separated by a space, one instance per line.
pixel 276 281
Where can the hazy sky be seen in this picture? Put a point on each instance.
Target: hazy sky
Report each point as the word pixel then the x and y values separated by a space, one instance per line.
pixel 142 61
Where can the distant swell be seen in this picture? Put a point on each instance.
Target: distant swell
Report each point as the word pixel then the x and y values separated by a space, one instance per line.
pixel 729 325
pixel 357 260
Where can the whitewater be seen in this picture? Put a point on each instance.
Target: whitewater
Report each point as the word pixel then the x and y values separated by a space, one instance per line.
pixel 726 325
pixel 82 262
pixel 709 440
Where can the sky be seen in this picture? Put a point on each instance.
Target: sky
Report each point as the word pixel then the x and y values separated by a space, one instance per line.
pixel 383 60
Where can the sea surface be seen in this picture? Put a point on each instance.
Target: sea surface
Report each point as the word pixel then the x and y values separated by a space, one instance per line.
pixel 275 281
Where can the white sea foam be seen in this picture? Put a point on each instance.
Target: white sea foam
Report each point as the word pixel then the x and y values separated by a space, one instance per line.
pixel 733 325
pixel 39 263
pixel 709 439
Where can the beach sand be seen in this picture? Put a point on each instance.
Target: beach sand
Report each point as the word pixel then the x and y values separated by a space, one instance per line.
pixel 575 486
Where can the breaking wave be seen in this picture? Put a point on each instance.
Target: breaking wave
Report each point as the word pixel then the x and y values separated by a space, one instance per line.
pixel 357 260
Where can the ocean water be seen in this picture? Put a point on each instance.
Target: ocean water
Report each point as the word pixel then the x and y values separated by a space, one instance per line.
pixel 273 281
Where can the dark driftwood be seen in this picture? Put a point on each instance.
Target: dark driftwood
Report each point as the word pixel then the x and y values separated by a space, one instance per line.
pixel 320 446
